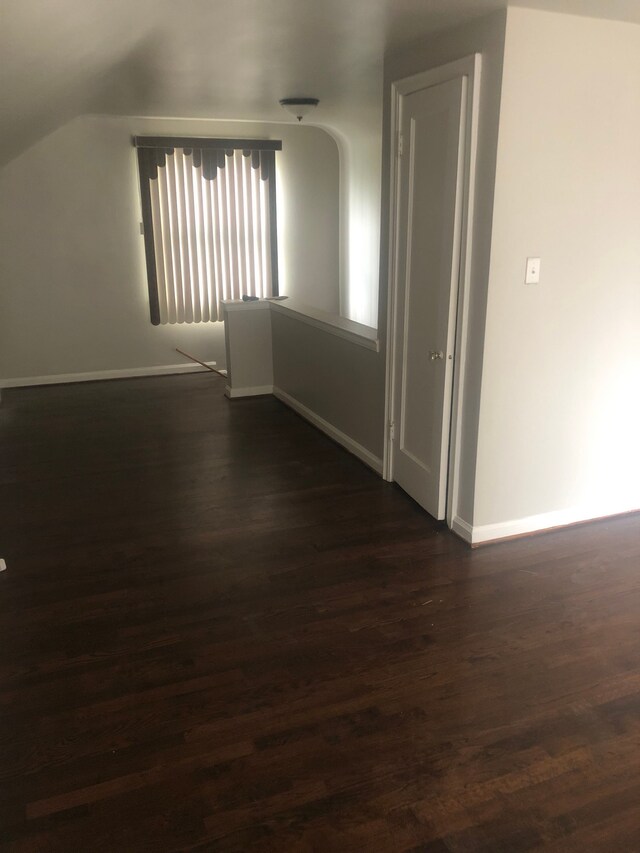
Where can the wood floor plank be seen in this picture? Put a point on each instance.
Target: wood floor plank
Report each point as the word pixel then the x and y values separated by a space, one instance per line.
pixel 221 632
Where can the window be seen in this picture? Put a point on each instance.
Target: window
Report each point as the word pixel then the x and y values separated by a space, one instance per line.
pixel 209 219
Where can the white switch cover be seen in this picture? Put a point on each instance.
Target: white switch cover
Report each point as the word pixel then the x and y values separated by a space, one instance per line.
pixel 533 271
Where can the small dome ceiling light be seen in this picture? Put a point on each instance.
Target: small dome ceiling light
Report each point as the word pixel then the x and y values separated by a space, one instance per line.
pixel 299 107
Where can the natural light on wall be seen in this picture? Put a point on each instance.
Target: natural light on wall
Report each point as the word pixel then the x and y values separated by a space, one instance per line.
pixel 361 156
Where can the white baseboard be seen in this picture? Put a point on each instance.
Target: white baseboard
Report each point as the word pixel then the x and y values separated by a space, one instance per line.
pixel 545 521
pixel 333 432
pixel 129 373
pixel 251 391
pixel 462 529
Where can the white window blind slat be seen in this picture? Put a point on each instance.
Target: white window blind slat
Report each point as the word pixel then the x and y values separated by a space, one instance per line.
pixel 174 236
pixel 205 279
pixel 232 225
pixel 223 230
pixel 163 301
pixel 191 230
pixel 264 226
pixel 210 214
pixel 163 238
pixel 215 268
pixel 257 231
pixel 183 237
pixel 241 221
pixel 252 288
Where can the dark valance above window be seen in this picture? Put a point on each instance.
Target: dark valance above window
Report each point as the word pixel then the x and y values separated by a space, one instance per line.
pixel 209 216
pixel 206 142
pixel 212 154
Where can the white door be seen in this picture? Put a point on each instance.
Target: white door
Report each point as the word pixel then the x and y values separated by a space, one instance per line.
pixel 429 209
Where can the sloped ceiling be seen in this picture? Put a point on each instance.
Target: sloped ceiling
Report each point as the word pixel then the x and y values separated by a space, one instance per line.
pixel 213 58
pixel 55 58
pixel 199 58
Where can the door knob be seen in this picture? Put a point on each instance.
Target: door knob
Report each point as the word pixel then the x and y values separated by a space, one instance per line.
pixel 436 356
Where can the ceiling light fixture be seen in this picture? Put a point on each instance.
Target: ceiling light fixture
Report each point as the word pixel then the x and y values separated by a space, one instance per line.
pixel 299 107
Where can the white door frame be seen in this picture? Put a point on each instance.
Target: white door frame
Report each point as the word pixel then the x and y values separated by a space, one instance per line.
pixel 469 68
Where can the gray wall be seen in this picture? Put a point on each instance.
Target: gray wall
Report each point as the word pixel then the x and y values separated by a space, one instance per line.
pixel 73 295
pixel 335 378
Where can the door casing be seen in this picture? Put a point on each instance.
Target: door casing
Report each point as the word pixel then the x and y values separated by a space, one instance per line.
pixel 469 68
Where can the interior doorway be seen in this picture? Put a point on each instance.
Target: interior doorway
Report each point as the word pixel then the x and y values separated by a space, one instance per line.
pixel 434 126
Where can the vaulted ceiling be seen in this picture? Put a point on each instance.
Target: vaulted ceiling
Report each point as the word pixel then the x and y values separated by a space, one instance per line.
pixel 212 58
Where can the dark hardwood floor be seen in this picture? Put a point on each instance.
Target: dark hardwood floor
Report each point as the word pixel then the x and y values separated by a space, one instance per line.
pixel 220 632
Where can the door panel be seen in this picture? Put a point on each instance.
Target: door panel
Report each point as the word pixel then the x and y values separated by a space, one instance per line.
pixel 427 282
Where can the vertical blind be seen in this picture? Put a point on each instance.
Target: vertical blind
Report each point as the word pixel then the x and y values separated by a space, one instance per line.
pixel 209 219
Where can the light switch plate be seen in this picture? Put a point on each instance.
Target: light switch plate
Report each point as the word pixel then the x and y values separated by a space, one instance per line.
pixel 533 271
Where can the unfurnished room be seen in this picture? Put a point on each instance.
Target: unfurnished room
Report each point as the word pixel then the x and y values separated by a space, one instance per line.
pixel 319 426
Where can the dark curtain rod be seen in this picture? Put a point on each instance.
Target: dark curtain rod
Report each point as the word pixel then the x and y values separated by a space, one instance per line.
pixel 206 142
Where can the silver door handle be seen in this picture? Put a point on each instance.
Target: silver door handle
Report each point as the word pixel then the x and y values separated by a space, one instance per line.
pixel 436 356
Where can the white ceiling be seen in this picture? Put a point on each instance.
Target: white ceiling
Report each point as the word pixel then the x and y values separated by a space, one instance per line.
pixel 614 10
pixel 213 58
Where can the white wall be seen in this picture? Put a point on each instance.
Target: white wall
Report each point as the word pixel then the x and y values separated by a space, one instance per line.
pixel 74 294
pixel 247 327
pixel 560 414
pixel 360 144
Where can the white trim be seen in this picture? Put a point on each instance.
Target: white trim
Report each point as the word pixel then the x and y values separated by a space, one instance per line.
pixel 241 305
pixel 128 373
pixel 249 391
pixel 544 521
pixel 469 67
pixel 333 432
pixel 394 184
pixel 356 333
pixel 462 528
pixel 464 292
